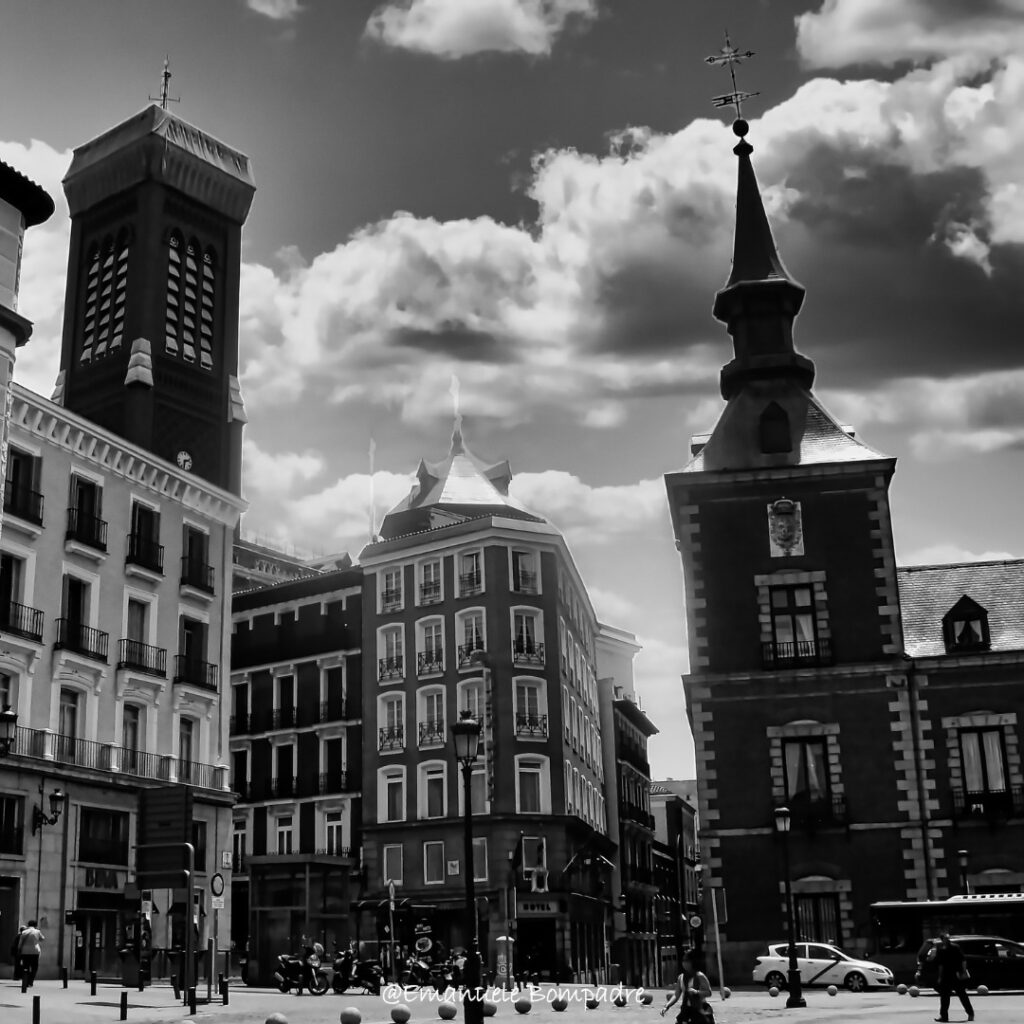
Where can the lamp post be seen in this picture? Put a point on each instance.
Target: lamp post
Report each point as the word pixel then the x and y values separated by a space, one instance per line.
pixel 8 726
pixel 39 819
pixel 796 994
pixel 466 740
pixel 963 858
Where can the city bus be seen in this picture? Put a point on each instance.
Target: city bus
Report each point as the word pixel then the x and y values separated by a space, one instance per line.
pixel 900 927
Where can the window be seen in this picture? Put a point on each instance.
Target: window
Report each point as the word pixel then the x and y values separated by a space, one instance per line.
pixel 131 722
pixel 984 761
pixel 817 919
pixel 238 845
pixel 433 863
pixel 105 293
pixel 6 690
pixel 85 504
pixel 480 860
pixel 333 833
pixel 431 724
pixel 566 714
pixel 805 763
pixel 22 497
pixel 391 590
pixel 12 824
pixel 433 796
pixel 191 665
pixel 531 710
pixel 430 658
pixel 569 805
pixel 532 787
pixel 794 637
pixel 965 626
pixel 68 725
pixel 526 628
pixel 391 800
pixel 393 864
pixel 524 572
pixel 73 630
pixel 430 581
pixel 390 647
pixel 534 854
pixel 144 546
pixel 284 833
pixel 189 313
pixel 471 635
pixel 103 836
pixel 472 699
pixel 187 730
pixel 391 718
pixel 471 577
pixel 478 801
pixel 283 781
pixel 196 570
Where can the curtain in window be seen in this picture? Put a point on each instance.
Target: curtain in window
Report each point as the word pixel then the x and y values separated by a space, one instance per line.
pixel 971 747
pixel 396 793
pixel 529 791
pixel 524 632
pixel 995 775
pixel 806 770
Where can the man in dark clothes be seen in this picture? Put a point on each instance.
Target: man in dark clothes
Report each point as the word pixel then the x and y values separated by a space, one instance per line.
pixel 949 958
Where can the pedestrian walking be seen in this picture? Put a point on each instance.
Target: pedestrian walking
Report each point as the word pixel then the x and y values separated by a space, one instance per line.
pixel 953 975
pixel 693 988
pixel 29 947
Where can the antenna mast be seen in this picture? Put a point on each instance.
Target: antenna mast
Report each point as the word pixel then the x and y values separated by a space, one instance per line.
pixel 165 81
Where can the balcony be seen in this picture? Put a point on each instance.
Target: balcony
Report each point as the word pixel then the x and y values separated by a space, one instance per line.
pixel 391 668
pixel 391 738
pixel 23 502
pixel 527 653
pixel 195 672
pixel 282 718
pixel 991 804
pixel 145 553
pixel 531 725
pixel 430 662
pixel 240 723
pixel 390 600
pixel 12 840
pixel 333 850
pixel 73 636
pixel 431 732
pixel 810 815
pixel 466 651
pixel 103 851
pixel 430 593
pixel 135 654
pixel 86 529
pixel 524 582
pixel 338 709
pixel 283 785
pixel 796 654
pixel 470 583
pixel 197 574
pixel 336 782
pixel 20 620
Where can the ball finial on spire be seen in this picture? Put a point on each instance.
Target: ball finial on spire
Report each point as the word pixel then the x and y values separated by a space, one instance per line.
pixel 740 127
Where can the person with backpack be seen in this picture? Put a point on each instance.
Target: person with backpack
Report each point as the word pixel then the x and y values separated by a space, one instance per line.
pixel 29 947
pixel 693 988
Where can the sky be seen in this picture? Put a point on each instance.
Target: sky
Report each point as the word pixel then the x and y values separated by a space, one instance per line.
pixel 535 197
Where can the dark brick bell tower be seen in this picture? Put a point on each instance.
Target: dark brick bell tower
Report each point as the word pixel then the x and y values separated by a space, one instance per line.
pixel 150 343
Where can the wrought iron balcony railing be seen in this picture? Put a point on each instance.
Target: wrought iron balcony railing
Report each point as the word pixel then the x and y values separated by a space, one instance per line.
pixel 790 654
pixel 195 672
pixel 991 803
pixel 391 600
pixel 23 502
pixel 73 636
pixel 145 552
pixel 391 738
pixel 86 529
pixel 470 583
pixel 531 725
pixel 282 718
pixel 391 668
pixel 195 572
pixel 825 812
pixel 135 654
pixel 339 708
pixel 21 620
pixel 466 652
pixel 429 662
pixel 240 723
pixel 431 732
pixel 336 782
pixel 524 582
pixel 430 592
pixel 527 653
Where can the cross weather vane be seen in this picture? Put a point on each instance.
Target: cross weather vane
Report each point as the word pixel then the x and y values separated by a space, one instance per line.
pixel 165 80
pixel 729 57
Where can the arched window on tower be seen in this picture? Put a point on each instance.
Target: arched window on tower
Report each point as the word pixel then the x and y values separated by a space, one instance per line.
pixel 106 289
pixel 188 329
pixel 774 430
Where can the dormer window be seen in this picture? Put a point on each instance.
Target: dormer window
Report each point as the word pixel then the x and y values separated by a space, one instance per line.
pixel 774 431
pixel 965 627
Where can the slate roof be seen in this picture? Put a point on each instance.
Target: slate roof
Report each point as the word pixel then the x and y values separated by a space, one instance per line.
pixel 928 592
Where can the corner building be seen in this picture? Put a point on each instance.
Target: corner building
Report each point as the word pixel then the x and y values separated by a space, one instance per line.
pixel 474 603
pixel 881 705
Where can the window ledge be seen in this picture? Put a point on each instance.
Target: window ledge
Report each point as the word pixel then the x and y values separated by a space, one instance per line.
pixel 75 547
pixel 196 593
pixel 25 526
pixel 142 573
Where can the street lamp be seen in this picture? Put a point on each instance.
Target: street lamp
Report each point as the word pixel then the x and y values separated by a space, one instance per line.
pixel 8 725
pixel 963 857
pixel 39 819
pixel 796 994
pixel 466 740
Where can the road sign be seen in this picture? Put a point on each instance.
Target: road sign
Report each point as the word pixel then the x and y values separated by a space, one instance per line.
pixel 217 884
pixel 695 921
pixel 216 902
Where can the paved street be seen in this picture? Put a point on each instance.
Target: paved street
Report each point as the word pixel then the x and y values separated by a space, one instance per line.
pixel 252 1006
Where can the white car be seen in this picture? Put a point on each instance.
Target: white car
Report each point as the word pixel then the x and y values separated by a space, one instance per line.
pixel 819 965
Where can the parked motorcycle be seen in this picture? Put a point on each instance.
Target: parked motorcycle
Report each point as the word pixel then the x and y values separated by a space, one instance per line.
pixel 352 973
pixel 425 975
pixel 301 972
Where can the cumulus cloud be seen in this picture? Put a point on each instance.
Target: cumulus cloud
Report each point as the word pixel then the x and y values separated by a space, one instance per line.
pixel 947 554
pixel 847 32
pixel 269 473
pixel 276 10
pixel 454 28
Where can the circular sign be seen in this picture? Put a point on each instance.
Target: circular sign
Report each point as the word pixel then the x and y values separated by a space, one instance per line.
pixel 217 884
pixel 695 921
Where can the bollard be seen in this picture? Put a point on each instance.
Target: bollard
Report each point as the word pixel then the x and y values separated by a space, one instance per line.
pixel 174 985
pixel 35 1009
pixel 225 995
pixel 124 1005
pixel 64 977
pixel 192 1000
pixel 92 983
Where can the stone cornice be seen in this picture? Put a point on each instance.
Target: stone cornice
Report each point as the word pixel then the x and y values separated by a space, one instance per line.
pixel 56 426
pixel 682 479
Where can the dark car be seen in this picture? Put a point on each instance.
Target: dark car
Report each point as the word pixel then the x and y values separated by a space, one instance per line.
pixel 992 961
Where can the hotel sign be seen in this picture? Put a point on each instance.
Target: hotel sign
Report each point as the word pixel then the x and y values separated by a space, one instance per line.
pixel 532 907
